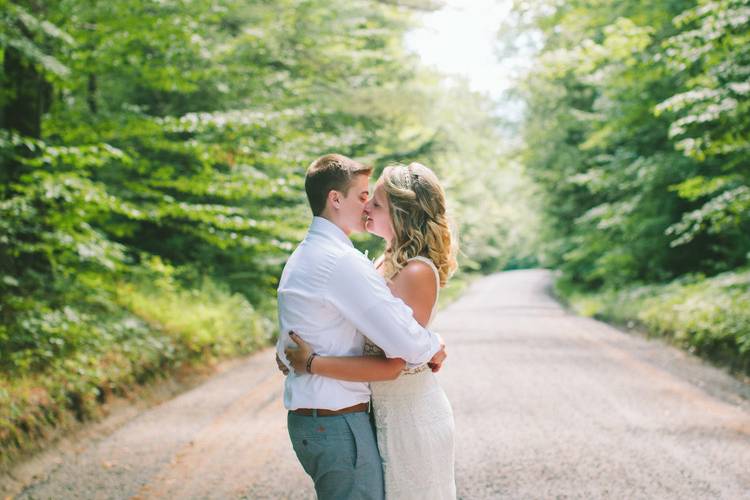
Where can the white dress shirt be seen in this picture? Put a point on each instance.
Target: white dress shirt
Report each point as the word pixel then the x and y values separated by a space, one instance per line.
pixel 330 295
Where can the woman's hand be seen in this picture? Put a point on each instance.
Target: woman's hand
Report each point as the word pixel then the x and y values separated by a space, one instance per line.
pixel 281 365
pixel 298 357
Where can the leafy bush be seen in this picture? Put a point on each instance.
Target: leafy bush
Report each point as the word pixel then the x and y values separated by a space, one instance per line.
pixel 59 365
pixel 708 316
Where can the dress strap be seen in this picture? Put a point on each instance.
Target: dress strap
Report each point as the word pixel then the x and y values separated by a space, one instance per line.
pixel 432 265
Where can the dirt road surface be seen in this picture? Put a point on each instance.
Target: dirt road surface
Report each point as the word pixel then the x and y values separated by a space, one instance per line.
pixel 547 405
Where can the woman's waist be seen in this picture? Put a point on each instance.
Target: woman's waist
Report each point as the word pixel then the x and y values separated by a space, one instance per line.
pixel 371 349
pixel 406 384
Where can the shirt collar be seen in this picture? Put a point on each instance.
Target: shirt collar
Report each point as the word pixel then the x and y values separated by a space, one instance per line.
pixel 322 226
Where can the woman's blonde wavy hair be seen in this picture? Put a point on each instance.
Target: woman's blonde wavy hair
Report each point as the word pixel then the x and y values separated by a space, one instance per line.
pixel 420 225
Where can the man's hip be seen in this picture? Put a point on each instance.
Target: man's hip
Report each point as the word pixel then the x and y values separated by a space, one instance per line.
pixel 339 452
pixel 313 412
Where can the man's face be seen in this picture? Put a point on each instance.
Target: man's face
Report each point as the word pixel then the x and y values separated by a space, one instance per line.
pixel 353 204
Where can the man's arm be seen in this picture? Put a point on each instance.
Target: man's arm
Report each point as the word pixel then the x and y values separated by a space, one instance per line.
pixel 360 294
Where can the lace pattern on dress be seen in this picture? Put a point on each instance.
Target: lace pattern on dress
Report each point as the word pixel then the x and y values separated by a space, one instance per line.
pixel 371 349
pixel 414 411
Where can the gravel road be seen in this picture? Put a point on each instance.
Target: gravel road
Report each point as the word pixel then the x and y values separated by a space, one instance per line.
pixel 547 405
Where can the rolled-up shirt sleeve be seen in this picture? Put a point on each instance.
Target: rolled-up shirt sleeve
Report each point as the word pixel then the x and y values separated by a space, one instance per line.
pixel 361 295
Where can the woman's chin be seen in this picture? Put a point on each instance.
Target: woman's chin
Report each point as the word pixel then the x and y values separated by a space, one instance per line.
pixel 369 229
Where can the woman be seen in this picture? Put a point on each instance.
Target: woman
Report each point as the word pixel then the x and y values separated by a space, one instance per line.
pixel 413 417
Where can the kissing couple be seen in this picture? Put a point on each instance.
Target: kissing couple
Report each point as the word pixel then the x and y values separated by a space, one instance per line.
pixel 366 415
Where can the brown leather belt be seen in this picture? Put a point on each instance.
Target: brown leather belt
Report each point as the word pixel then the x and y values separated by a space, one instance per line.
pixel 308 412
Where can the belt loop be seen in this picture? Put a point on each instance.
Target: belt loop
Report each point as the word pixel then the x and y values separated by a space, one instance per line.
pixel 315 413
pixel 369 405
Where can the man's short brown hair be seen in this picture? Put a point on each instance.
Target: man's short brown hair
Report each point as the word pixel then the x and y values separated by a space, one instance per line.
pixel 332 172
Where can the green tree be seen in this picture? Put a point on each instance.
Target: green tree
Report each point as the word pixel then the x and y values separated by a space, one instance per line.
pixel 632 189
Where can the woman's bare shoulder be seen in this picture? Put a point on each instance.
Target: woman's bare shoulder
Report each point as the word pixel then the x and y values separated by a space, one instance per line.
pixel 415 285
pixel 416 274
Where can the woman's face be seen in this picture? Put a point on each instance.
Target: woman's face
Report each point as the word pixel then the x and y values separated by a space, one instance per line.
pixel 377 211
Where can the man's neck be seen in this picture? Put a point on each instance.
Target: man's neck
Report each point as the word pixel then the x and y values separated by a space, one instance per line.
pixel 333 221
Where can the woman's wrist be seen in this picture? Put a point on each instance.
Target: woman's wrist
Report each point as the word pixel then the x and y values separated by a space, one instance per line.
pixel 308 364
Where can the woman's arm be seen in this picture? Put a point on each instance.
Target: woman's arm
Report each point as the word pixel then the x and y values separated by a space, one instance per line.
pixel 350 368
pixel 358 369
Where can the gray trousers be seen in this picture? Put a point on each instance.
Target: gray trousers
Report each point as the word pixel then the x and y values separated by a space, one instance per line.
pixel 340 454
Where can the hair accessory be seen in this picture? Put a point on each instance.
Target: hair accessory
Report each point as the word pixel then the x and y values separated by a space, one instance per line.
pixel 408 178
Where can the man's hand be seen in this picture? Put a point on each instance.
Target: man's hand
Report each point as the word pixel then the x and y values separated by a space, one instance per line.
pixel 281 365
pixel 436 363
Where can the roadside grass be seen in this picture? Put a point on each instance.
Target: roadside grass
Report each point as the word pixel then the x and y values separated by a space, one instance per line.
pixel 130 333
pixel 706 316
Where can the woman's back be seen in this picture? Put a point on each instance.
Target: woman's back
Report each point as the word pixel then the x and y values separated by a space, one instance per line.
pixel 414 422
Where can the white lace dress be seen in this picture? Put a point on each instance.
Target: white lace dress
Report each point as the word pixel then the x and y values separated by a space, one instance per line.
pixel 414 423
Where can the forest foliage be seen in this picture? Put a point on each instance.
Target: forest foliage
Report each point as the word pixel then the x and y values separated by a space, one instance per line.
pixel 153 155
pixel 637 135
pixel 637 132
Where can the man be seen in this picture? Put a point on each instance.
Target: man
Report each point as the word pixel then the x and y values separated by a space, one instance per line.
pixel 330 295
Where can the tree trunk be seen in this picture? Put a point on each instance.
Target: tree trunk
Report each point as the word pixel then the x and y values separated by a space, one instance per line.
pixel 91 97
pixel 23 111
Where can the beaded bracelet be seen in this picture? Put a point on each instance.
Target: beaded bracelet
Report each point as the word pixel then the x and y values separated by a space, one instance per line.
pixel 308 366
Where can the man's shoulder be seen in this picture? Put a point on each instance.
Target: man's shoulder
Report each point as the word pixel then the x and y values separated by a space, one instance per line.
pixel 317 256
pixel 317 248
pixel 352 267
pixel 350 256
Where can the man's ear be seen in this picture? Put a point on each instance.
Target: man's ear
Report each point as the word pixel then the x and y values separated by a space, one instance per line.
pixel 335 198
